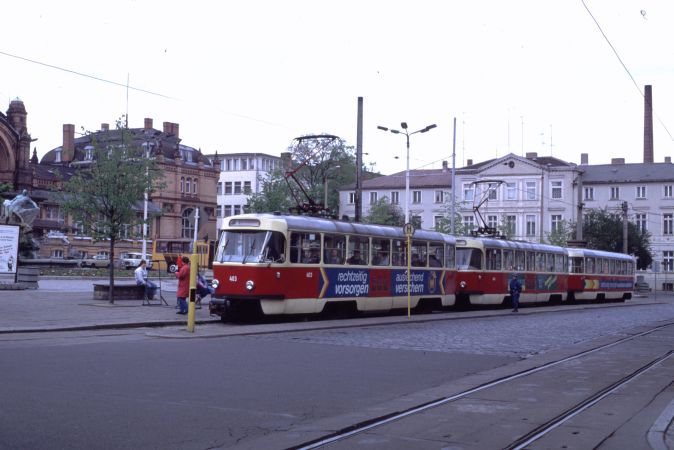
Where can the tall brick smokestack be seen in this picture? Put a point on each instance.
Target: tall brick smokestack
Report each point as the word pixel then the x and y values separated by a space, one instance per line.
pixel 648 124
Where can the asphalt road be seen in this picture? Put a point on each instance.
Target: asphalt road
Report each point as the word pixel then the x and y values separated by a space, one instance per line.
pixel 124 389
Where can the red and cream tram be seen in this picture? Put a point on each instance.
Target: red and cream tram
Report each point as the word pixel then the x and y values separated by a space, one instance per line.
pixel 485 266
pixel 281 264
pixel 600 275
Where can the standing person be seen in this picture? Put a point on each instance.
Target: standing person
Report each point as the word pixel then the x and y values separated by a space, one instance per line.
pixel 515 289
pixel 183 292
pixel 141 279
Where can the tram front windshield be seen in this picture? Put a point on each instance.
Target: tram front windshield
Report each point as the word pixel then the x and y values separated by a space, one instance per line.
pixel 468 259
pixel 250 246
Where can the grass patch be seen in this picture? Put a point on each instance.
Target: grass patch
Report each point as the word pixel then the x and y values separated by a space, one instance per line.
pixel 83 272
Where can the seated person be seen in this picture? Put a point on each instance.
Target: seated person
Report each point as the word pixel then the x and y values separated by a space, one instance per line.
pixel 356 259
pixel 203 289
pixel 416 261
pixel 334 257
pixel 433 261
pixel 381 259
pixel 314 256
pixel 140 275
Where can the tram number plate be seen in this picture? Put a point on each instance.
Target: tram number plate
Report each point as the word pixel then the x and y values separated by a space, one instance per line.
pixel 232 278
pixel 310 274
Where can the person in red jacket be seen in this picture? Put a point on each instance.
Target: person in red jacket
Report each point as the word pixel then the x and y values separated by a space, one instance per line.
pixel 183 275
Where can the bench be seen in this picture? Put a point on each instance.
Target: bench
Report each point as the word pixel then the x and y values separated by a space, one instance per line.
pixel 121 291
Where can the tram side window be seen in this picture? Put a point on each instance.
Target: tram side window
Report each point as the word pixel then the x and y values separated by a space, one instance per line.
pixel 468 259
pixel 381 252
pixel 450 257
pixel 334 246
pixel 276 247
pixel 419 254
pixel 589 265
pixel 508 259
pixel 359 250
pixel 550 262
pixel 519 260
pixel 611 265
pixel 540 262
pixel 576 265
pixel 559 263
pixel 605 267
pixel 305 248
pixel 399 252
pixel 493 258
pixel 436 254
pixel 531 261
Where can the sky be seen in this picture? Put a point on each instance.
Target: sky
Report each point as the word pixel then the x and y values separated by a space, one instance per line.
pixel 518 76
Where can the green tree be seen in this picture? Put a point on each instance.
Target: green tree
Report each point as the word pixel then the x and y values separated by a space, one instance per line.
pixel 5 187
pixel 560 236
pixel 385 213
pixel 603 230
pixel 444 225
pixel 274 195
pixel 106 195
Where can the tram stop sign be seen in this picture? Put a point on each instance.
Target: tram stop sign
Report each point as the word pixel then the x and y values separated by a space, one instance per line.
pixel 408 229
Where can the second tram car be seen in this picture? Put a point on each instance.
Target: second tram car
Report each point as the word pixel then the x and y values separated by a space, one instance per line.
pixel 485 265
pixel 282 264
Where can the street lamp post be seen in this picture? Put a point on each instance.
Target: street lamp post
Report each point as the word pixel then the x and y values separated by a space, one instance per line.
pixel 407 134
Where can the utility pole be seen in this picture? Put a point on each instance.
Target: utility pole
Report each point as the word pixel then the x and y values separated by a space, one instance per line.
pixel 359 162
pixel 624 208
pixel 453 217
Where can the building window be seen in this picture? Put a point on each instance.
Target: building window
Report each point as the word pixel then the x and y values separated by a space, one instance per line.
pixel 218 211
pixel 228 165
pixel 89 152
pixel 182 184
pixel 468 192
pixel 244 163
pixel 492 221
pixel 511 191
pixel 222 165
pixel 439 196
pixel 615 193
pixel 556 189
pixel 668 260
pixel 530 189
pixel 57 254
pixel 667 222
pixel 228 210
pixel 194 186
pixel 53 212
pixel 589 193
pixel 555 222
pixel 247 188
pixel 416 196
pixel 187 224
pixel 237 186
pixel 641 191
pixel 510 225
pixel 228 188
pixel 668 190
pixel 640 220
pixel 468 223
pixel 235 163
pixel 237 210
pixel 395 198
pixel 439 222
pixel 352 198
pixel 373 198
pixel 492 191
pixel 251 164
pixel 219 190
pixel 531 225
pixel 187 185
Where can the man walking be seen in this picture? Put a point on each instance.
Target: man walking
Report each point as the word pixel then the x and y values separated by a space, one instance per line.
pixel 515 289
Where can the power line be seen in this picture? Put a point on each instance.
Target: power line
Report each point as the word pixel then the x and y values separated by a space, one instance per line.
pixel 615 52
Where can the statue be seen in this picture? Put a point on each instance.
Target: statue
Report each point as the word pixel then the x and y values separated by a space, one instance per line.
pixel 22 211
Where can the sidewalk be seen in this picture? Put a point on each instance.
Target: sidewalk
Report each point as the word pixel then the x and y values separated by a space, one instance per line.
pixel 52 308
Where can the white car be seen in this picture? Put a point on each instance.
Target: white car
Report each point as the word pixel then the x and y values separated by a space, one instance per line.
pixel 132 260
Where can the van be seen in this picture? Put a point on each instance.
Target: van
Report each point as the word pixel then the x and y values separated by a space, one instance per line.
pixel 132 260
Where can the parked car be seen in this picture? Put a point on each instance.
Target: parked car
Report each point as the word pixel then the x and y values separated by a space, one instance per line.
pixel 96 261
pixel 132 260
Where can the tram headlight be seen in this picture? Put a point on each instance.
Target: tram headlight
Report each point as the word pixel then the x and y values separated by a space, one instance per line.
pixel 215 283
pixel 463 285
pixel 250 285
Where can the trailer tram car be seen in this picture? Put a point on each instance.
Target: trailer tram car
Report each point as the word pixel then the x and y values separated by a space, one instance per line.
pixel 282 264
pixel 600 275
pixel 485 265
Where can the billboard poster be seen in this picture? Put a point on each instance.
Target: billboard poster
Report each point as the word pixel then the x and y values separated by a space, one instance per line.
pixel 9 249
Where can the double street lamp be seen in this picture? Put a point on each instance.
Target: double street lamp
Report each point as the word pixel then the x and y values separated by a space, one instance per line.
pixel 407 134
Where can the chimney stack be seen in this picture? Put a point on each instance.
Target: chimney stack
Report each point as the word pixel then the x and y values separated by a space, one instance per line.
pixel 148 124
pixel 175 129
pixel 648 124
pixel 68 151
pixel 105 127
pixel 584 159
pixel 469 162
pixel 167 127
pixel 444 166
pixel 668 159
pixel 532 155
pixel 617 160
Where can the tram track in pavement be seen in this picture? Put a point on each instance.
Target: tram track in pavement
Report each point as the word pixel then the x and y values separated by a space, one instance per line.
pixel 529 437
